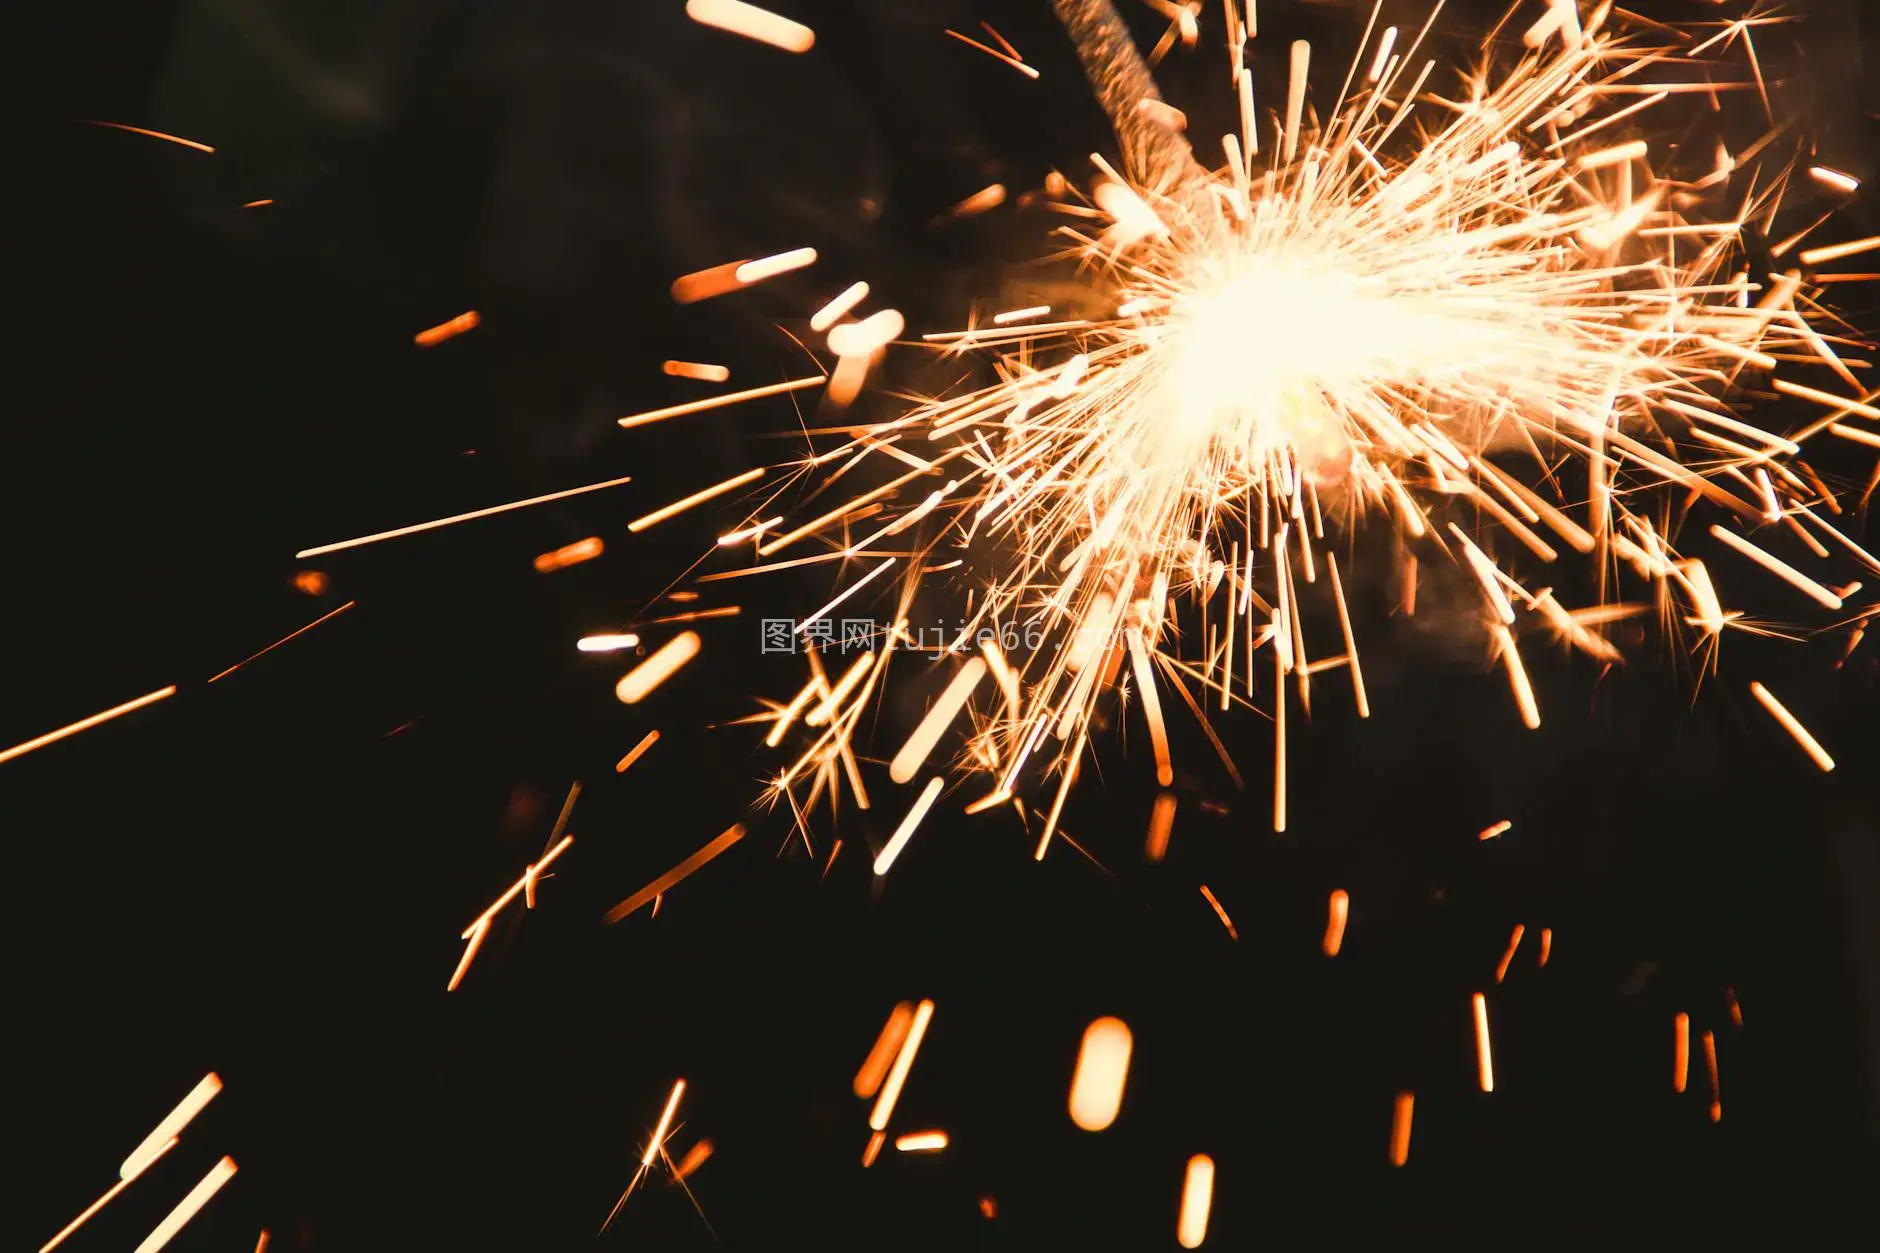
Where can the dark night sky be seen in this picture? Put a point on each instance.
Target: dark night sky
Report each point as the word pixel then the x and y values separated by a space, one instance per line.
pixel 261 878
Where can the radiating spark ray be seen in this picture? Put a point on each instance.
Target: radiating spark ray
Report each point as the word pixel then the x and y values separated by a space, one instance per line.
pixel 696 498
pixel 283 640
pixel 86 724
pixel 905 832
pixel 460 517
pixel 718 402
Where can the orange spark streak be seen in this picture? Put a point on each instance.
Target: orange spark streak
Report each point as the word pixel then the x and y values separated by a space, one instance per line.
pixel 1835 252
pixel 1151 708
pixel 1336 912
pixel 1854 433
pixel 469 320
pixel 154 1144
pixel 1517 677
pixel 696 498
pixel 701 371
pixel 639 750
pixel 838 308
pixel 763 268
pixel 1781 569
pixel 186 1208
pixel 522 884
pixel 986 198
pixel 716 402
pixel 569 555
pixel 312 582
pixel 149 134
pixel 104 1200
pixel 753 23
pixel 1710 1064
pixel 1102 1070
pixel 256 204
pixel 1191 1227
pixel 914 752
pixel 1499 828
pixel 661 665
pixel 873 1149
pixel 903 1062
pixel 1547 946
pixel 695 1157
pixel 472 516
pixel 284 639
pixel 1401 1114
pixel 921 1142
pixel 1680 1050
pixel 610 643
pixel 994 53
pixel 86 724
pixel 1221 913
pixel 665 1122
pixel 1161 822
pixel 1793 726
pixel 1484 1059
pixel 1514 942
pixel 718 845
pixel 905 832
pixel 469 955
pixel 1351 643
pixel 887 1047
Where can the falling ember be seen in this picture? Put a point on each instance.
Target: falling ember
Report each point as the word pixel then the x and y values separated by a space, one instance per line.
pixel 695 1157
pixel 468 320
pixel 661 665
pixel 1680 1051
pixel 1191 1226
pixel 921 1142
pixel 986 198
pixel 677 873
pixel 569 555
pixel 887 1048
pixel 610 643
pixel 1401 1113
pixel 86 724
pixel 1484 1060
pixel 1710 1064
pixel 905 832
pixel 1736 1010
pixel 697 370
pixel 187 1208
pixel 171 1127
pixel 753 23
pixel 454 519
pixel 1102 1069
pixel 1547 946
pixel 1336 913
pixel 149 134
pixel 989 1206
pixel 1220 913
pixel 1514 943
pixel 1161 822
pixel 1498 829
pixel 903 1062
pixel 665 1124
pixel 1517 677
pixel 873 1149
pixel 1793 726
pixel 639 750
pixel 312 582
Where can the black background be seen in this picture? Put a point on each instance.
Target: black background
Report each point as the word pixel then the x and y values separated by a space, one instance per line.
pixel 265 877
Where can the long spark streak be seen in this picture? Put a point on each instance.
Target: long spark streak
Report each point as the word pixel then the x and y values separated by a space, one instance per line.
pixel 753 23
pixel 110 1194
pixel 718 402
pixel 685 868
pixel 86 724
pixel 639 682
pixel 187 1208
pixel 903 1062
pixel 1484 1056
pixel 454 519
pixel 283 640
pixel 150 134
pixel 1793 726
pixel 154 1144
pixel 905 832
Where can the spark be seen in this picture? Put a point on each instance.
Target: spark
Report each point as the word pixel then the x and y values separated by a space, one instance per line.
pixel 1102 1069
pixel 1484 1059
pixel 639 682
pixel 150 134
pixel 454 519
pixel 1514 943
pixel 1781 569
pixel 838 308
pixel 1013 61
pixel 665 1123
pixel 1547 946
pixel 1161 823
pixel 1401 1111
pixel 1220 913
pixel 695 1157
pixel 1336 913
pixel 86 724
pixel 903 1062
pixel 765 268
pixel 685 868
pixel 1834 180
pixel 717 402
pixel 1791 724
pixel 311 582
pixel 607 643
pixel 469 320
pixel 703 372
pixel 636 752
pixel 106 1199
pixel 1680 1051
pixel 921 1142
pixel 986 198
pixel 1710 1064
pixel 187 1208
pixel 887 1046
pixel 283 640
pixel 905 832
pixel 1191 1226
pixel 753 23
pixel 696 498
pixel 257 204
pixel 154 1144
pixel 913 754
pixel 1495 830
pixel 569 555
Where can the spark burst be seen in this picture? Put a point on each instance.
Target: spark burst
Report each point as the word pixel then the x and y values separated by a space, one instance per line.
pixel 1485 306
